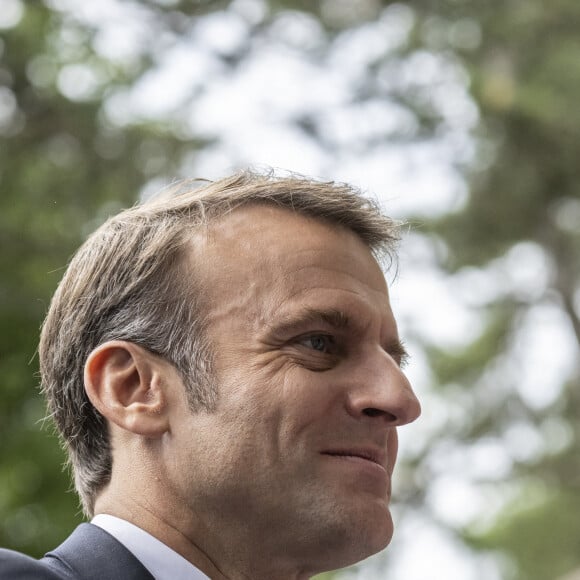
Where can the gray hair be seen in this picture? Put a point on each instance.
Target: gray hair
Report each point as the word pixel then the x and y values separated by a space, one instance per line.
pixel 130 281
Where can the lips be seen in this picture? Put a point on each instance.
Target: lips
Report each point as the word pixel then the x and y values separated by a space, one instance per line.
pixel 369 454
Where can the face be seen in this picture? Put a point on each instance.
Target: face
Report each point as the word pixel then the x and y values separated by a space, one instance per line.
pixel 299 453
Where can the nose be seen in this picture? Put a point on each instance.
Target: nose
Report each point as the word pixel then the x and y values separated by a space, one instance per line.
pixel 379 389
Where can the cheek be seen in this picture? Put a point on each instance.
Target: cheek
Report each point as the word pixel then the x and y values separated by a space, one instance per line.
pixel 250 419
pixel 311 399
pixel 274 406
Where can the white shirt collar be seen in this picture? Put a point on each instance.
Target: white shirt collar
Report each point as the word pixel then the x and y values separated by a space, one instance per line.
pixel 160 560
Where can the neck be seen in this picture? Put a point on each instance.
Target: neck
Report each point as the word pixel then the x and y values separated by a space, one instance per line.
pixel 143 516
pixel 219 555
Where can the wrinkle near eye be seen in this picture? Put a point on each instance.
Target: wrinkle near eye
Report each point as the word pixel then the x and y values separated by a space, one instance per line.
pixel 301 353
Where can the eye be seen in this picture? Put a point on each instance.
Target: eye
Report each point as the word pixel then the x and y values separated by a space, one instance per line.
pixel 319 342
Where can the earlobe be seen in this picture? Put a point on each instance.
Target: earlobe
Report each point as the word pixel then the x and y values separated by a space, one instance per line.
pixel 126 385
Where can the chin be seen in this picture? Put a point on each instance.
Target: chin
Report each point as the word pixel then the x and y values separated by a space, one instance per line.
pixel 374 539
pixel 359 539
pixel 372 527
pixel 342 529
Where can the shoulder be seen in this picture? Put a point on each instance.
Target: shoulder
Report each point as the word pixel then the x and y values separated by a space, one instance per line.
pixel 16 566
pixel 89 553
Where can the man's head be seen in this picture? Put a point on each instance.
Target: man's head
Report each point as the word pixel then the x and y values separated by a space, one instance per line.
pixel 264 296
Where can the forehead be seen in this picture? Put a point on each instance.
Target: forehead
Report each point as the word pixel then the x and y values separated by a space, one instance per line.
pixel 261 258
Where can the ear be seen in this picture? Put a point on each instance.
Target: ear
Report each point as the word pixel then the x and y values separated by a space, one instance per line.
pixel 127 384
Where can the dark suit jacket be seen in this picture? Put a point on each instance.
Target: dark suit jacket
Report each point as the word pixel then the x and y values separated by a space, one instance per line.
pixel 89 553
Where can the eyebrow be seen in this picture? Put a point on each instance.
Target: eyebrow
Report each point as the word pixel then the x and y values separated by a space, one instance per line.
pixel 330 317
pixel 338 320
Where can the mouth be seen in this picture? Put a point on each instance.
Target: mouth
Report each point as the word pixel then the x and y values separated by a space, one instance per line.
pixel 365 454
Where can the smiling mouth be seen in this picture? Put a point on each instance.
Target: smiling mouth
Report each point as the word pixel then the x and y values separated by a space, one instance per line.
pixel 366 455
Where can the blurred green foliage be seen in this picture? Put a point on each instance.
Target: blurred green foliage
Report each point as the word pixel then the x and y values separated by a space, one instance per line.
pixel 525 78
pixel 63 169
pixel 66 163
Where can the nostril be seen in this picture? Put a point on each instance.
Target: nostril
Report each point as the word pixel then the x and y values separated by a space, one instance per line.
pixel 374 412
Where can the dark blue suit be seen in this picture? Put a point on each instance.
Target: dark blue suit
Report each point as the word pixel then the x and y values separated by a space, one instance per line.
pixel 89 553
